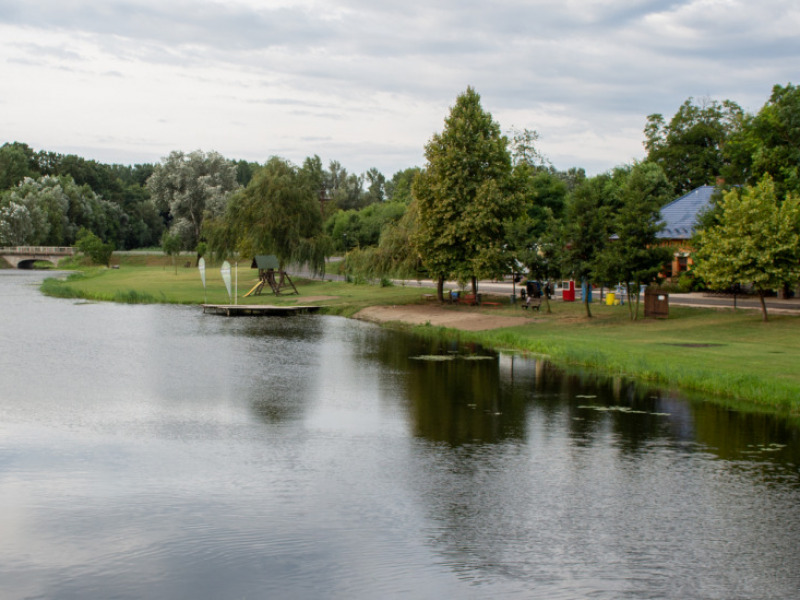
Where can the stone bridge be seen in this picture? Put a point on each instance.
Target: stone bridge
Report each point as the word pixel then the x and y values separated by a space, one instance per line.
pixel 23 257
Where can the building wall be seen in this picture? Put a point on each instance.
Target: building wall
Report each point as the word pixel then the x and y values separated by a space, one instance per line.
pixel 681 258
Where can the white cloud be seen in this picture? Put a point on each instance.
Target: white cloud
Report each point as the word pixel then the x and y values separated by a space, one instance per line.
pixel 367 84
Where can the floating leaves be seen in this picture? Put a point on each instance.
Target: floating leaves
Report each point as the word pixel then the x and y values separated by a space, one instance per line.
pixel 767 447
pixel 449 357
pixel 622 409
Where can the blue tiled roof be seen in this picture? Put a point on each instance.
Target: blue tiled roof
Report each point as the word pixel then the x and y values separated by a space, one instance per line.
pixel 680 215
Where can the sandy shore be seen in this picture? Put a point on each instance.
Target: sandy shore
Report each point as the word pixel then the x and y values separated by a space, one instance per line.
pixel 438 316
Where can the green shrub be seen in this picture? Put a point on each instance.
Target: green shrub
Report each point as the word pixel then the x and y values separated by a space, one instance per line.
pixel 93 247
pixel 690 282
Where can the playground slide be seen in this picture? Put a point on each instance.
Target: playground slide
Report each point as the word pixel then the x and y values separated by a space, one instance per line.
pixel 255 287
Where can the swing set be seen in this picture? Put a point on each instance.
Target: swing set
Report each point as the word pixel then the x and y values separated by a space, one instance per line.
pixel 270 273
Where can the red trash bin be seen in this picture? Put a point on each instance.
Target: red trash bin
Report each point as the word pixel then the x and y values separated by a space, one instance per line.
pixel 568 290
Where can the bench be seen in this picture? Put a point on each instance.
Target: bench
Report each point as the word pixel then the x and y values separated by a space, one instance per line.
pixel 471 300
pixel 467 299
pixel 485 302
pixel 532 303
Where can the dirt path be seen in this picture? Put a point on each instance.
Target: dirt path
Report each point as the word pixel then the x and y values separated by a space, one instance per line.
pixel 439 316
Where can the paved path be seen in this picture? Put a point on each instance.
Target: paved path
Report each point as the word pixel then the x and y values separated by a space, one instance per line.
pixel 698 299
pixel 709 300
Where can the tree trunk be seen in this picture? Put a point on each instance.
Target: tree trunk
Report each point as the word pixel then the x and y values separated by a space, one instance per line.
pixel 628 294
pixel 546 297
pixel 763 305
pixel 638 300
pixel 585 300
pixel 475 288
pixel 440 288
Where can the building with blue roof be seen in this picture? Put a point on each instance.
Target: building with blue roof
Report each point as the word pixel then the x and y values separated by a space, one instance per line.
pixel 680 217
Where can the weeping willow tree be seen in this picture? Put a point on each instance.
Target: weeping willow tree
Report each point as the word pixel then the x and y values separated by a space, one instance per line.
pixel 277 213
pixel 395 256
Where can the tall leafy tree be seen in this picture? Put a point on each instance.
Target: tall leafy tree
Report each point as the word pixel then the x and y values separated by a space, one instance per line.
pixel 376 186
pixel 543 191
pixel 587 228
pixel 277 213
pixel 543 194
pixel 171 246
pixel 542 251
pixel 346 190
pixel 398 188
pixel 363 227
pixel 465 197
pixel 769 143
pixel 50 211
pixel 690 148
pixel 93 247
pixel 755 241
pixel 395 254
pixel 524 150
pixel 245 171
pixel 34 213
pixel 633 256
pixel 396 247
pixel 189 186
pixel 17 161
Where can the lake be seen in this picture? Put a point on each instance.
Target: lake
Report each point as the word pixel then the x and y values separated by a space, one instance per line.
pixel 157 452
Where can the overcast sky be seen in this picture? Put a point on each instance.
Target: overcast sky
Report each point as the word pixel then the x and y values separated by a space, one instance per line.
pixel 367 82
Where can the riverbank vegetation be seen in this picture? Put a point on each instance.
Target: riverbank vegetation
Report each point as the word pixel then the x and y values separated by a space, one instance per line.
pixel 725 354
pixel 721 354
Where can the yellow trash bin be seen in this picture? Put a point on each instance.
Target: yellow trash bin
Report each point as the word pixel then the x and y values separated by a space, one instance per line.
pixel 610 298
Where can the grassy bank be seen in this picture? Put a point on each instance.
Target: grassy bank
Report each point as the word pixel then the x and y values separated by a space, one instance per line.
pixel 720 353
pixel 155 279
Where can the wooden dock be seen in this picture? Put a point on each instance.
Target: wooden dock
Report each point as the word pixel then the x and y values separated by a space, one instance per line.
pixel 257 310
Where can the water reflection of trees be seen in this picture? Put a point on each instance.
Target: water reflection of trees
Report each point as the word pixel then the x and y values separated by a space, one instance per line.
pixel 749 438
pixel 638 416
pixel 598 470
pixel 458 401
pixel 451 391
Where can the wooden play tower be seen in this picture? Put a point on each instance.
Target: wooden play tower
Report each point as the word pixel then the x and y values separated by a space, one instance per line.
pixel 270 273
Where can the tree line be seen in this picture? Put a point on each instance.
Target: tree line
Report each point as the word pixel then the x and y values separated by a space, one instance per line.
pixel 485 204
pixel 47 198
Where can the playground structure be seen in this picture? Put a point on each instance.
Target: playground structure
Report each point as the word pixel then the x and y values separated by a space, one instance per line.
pixel 268 268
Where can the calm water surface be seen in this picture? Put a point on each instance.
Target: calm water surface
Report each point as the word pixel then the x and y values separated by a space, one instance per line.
pixel 156 452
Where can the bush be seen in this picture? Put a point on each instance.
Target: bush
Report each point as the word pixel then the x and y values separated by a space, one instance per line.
pixel 689 282
pixel 93 247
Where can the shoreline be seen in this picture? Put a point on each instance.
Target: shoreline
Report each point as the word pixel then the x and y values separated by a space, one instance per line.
pixel 437 315
pixel 725 355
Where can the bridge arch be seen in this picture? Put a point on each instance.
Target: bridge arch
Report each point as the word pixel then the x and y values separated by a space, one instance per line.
pixel 23 257
pixel 28 263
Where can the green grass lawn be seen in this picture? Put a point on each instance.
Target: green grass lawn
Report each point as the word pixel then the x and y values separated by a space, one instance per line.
pixel 719 352
pixel 153 279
